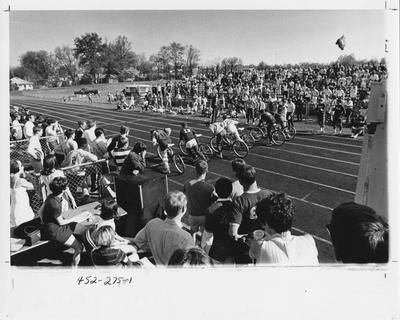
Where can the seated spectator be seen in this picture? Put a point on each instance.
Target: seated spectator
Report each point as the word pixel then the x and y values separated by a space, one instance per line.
pixel 217 223
pixel 17 127
pixel 121 153
pixel 21 210
pixel 189 258
pixel 163 237
pixel 28 127
pixel 99 145
pixel 64 148
pixel 55 226
pixel 278 245
pixel 35 150
pixel 199 196
pixel 115 142
pixel 52 131
pixel 105 254
pixel 89 133
pixel 243 219
pixel 358 234
pixel 135 162
pixel 50 172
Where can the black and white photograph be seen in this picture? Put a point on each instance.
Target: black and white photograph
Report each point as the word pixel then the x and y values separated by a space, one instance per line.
pixel 202 141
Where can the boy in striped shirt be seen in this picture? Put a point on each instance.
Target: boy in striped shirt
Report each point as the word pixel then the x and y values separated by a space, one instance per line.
pixel 121 153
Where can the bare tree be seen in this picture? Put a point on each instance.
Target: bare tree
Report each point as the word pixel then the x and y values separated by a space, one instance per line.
pixel 65 59
pixel 192 58
pixel 232 63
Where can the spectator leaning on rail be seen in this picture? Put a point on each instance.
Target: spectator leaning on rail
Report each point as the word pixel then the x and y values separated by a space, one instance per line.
pixel 163 237
pixel 275 243
pixel 358 234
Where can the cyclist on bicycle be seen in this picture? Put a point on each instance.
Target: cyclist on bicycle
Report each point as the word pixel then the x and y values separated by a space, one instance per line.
pixel 267 119
pixel 230 128
pixel 162 138
pixel 189 136
pixel 218 130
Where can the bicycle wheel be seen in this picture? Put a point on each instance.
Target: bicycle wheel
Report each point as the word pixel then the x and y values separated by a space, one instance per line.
pixel 214 145
pixel 178 163
pixel 257 134
pixel 206 151
pixel 240 149
pixel 290 133
pixel 182 147
pixel 278 138
pixel 248 140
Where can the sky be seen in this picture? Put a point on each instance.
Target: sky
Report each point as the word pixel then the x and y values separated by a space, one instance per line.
pixel 271 36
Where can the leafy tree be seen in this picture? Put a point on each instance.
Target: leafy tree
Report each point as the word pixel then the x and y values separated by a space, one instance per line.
pixel 118 56
pixel 40 64
pixel 23 73
pixel 262 66
pixel 192 58
pixel 176 56
pixel 66 62
pixel 89 48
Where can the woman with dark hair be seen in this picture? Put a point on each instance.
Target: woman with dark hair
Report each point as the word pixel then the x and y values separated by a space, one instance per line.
pixel 189 258
pixel 56 227
pixel 49 172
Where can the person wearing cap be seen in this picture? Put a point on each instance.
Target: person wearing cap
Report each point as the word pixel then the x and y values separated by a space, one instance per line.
pixel 161 137
pixel 135 161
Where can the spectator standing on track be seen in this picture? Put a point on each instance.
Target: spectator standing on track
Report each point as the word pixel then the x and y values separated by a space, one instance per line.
pixel 121 153
pixel 163 237
pixel 243 219
pixel 215 107
pixel 115 141
pixel 135 162
pixel 338 112
pixel 35 150
pixel 20 208
pixel 299 109
pixel 28 127
pixel 358 234
pixel 279 246
pixel 199 195
pixel 321 113
pixel 291 108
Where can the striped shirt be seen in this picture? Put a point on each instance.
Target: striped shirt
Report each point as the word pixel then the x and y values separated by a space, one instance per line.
pixel 119 156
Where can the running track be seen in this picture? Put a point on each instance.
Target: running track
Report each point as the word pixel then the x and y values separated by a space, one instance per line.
pixel 318 171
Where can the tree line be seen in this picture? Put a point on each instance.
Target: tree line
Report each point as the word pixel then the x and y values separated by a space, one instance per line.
pixel 92 58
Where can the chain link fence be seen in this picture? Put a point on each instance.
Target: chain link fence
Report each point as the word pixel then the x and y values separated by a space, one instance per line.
pixel 86 182
pixel 19 148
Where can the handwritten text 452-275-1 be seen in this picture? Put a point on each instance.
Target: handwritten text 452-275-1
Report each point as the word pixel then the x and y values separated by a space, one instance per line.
pixel 106 281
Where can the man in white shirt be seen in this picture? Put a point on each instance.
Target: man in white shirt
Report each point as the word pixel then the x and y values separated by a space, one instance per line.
pixel 89 134
pixel 163 237
pixel 276 244
pixel 17 127
pixel 35 150
pixel 290 112
pixel 28 128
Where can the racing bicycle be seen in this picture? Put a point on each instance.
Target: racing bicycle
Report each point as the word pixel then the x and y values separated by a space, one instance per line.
pixel 173 158
pixel 240 148
pixel 203 150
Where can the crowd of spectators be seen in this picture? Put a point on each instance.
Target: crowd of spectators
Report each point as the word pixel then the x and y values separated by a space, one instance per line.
pixel 290 92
